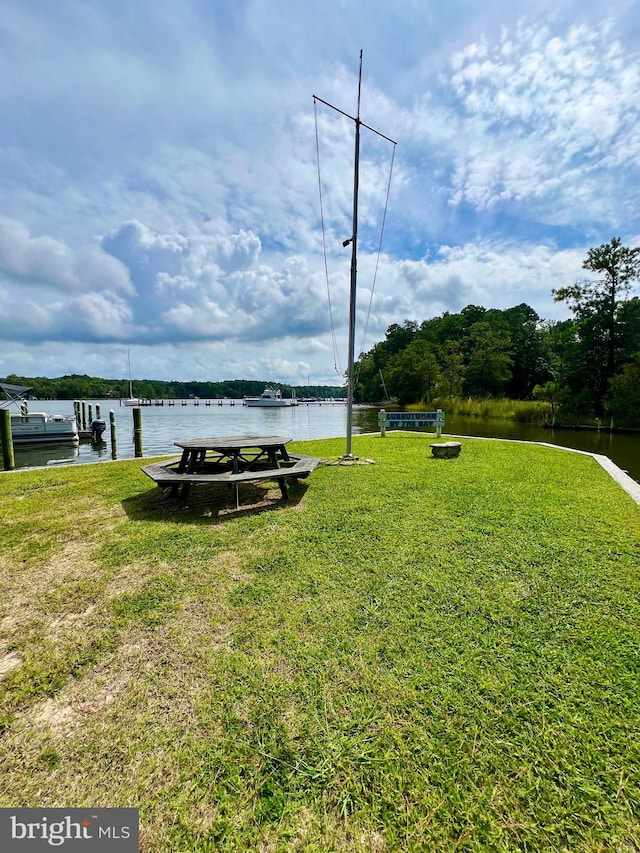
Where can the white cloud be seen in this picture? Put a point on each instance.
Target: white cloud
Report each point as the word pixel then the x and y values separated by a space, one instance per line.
pixel 184 136
pixel 497 275
pixel 542 115
pixel 93 316
pixel 209 285
pixel 46 262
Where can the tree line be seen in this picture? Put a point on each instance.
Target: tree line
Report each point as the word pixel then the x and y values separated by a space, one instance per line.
pixel 83 387
pixel 586 367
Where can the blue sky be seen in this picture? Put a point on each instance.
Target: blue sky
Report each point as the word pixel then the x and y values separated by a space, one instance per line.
pixel 159 186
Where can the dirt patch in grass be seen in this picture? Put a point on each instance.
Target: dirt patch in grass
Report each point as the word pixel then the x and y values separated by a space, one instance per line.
pixel 60 718
pixel 80 702
pixel 68 601
pixel 373 841
pixel 69 623
pixel 130 578
pixel 130 711
pixel 25 586
pixel 154 664
pixel 9 661
pixel 87 697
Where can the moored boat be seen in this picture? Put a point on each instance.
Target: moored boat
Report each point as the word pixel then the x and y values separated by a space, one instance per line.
pixel 130 400
pixel 37 427
pixel 270 398
pixel 41 428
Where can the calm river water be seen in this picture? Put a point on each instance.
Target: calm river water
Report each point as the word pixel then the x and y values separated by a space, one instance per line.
pixel 162 425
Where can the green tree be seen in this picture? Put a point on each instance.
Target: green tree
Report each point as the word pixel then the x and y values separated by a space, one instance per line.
pixel 530 359
pixel 368 383
pixel 447 327
pixel 489 364
pixel 629 316
pixel 597 306
pixel 625 393
pixel 452 368
pixel 413 374
pixel 397 338
pixel 549 393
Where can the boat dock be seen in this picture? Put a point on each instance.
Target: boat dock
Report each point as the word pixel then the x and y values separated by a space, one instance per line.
pixel 233 402
pixel 190 402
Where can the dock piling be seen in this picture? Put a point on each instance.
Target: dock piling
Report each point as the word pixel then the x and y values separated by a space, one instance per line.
pixel 137 432
pixel 8 459
pixel 114 444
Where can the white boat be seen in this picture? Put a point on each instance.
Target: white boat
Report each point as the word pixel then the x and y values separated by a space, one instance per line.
pixel 37 427
pixel 131 400
pixel 41 428
pixel 271 399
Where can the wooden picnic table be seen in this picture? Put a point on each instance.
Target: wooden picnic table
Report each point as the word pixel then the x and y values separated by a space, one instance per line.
pixel 231 459
pixel 242 452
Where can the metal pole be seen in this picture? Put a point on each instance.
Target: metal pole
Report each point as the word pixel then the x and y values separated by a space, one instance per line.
pixel 354 274
pixel 354 253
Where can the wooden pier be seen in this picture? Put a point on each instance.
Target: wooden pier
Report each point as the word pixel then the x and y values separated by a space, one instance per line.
pixel 230 402
pixel 189 402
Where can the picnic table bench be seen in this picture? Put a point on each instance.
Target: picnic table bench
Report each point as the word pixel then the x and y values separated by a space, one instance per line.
pixel 231 460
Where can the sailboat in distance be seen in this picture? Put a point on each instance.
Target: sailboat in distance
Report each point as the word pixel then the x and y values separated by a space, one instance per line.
pixel 130 400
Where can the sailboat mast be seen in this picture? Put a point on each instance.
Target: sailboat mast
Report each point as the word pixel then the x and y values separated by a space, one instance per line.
pixel 354 251
pixel 354 273
pixel 384 387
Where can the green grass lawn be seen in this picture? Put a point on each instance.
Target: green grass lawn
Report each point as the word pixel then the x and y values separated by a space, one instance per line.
pixel 414 655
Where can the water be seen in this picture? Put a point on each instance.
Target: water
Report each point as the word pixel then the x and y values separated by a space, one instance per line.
pixel 162 425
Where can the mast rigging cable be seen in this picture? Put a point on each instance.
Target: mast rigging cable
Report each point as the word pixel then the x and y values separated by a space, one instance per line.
pixel 375 271
pixel 336 356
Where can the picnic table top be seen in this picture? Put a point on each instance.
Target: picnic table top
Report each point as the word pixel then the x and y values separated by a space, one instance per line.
pixel 233 442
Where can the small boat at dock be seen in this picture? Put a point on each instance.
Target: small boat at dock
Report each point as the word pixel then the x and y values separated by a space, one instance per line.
pixel 37 427
pixel 41 428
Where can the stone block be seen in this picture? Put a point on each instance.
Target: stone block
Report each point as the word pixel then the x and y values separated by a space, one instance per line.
pixel 446 449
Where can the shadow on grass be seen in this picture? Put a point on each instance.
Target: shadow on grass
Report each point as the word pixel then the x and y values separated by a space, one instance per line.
pixel 210 504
